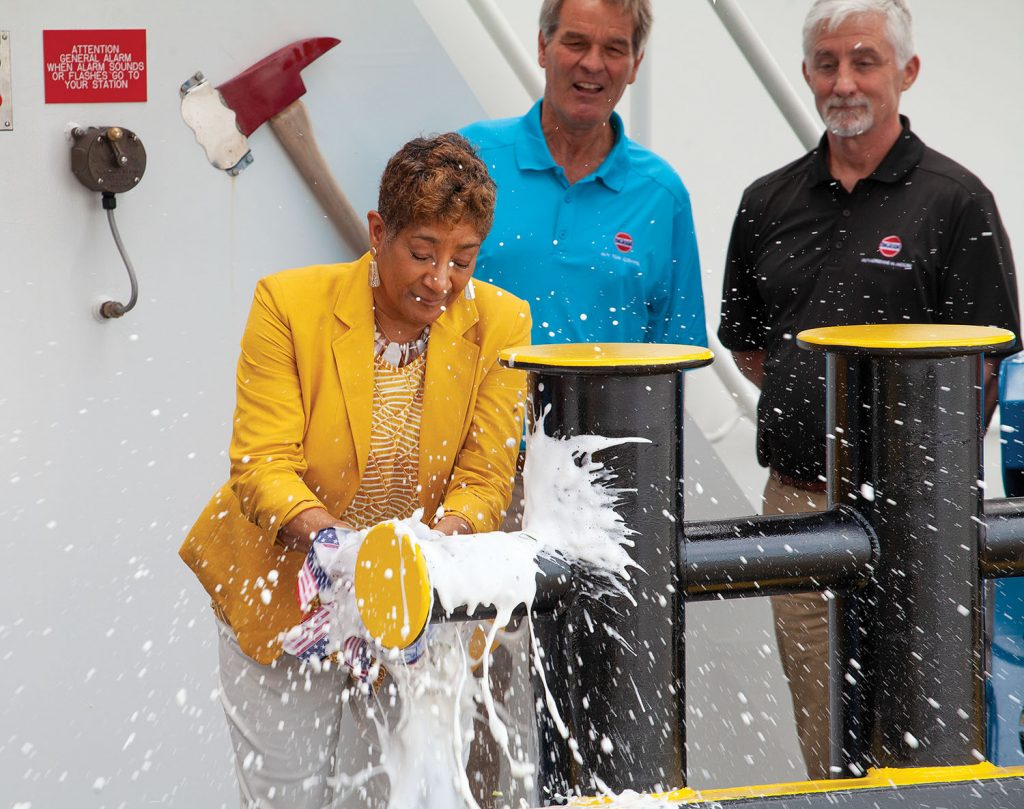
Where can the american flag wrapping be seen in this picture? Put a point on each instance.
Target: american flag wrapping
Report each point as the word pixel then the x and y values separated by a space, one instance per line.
pixel 313 576
pixel 310 639
pixel 314 589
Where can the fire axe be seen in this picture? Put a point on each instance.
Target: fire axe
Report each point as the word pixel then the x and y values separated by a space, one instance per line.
pixel 271 90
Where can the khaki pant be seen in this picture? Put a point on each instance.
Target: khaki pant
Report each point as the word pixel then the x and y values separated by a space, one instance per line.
pixel 801 628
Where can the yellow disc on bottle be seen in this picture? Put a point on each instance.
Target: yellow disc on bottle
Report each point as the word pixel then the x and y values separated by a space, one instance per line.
pixel 594 356
pixel 393 591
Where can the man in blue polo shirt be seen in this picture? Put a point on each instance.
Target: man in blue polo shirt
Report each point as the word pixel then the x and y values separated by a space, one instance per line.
pixel 594 230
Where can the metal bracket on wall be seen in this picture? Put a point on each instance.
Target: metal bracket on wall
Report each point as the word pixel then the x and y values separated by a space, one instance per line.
pixel 6 104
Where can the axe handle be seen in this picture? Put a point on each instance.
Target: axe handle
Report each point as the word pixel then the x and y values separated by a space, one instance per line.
pixel 293 130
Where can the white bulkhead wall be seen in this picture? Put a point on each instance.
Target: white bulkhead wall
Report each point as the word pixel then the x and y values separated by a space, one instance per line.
pixel 114 433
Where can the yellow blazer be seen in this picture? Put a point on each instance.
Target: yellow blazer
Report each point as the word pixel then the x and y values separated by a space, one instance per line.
pixel 302 431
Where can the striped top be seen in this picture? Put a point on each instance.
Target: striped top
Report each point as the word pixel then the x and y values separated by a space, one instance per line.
pixel 388 488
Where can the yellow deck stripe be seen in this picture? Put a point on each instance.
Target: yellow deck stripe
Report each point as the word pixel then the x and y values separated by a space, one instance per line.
pixel 875 779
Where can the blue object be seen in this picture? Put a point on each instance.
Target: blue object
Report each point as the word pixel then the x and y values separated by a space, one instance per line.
pixel 609 258
pixel 1006 683
pixel 1005 687
pixel 1011 416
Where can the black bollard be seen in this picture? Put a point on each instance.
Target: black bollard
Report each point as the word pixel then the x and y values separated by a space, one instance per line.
pixel 616 669
pixel 904 449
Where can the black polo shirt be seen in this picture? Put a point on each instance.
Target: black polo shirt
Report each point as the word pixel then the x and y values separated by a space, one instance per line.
pixel 919 241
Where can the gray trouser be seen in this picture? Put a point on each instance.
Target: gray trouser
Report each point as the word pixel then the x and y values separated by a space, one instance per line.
pixel 284 723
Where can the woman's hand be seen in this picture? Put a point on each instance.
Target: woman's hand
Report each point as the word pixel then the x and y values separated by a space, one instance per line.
pixel 451 524
pixel 299 532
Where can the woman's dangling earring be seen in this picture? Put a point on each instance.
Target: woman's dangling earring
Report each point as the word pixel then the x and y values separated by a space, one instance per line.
pixel 469 292
pixel 374 272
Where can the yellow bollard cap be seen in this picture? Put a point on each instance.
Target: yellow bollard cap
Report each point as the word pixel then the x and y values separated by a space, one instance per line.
pixel 941 339
pixel 630 358
pixel 393 591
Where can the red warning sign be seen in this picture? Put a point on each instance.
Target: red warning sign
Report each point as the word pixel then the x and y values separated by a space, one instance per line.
pixel 94 66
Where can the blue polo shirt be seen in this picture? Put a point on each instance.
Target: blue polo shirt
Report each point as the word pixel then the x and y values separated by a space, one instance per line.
pixel 610 258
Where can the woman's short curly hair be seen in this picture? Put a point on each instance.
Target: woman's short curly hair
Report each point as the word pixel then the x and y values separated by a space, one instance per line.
pixel 436 180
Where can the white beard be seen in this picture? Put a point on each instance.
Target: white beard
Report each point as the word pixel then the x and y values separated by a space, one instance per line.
pixel 847 120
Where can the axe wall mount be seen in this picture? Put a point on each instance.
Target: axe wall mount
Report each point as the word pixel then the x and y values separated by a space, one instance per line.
pixel 214 125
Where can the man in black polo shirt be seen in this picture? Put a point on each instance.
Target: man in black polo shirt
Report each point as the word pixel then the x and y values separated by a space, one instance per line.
pixel 870 227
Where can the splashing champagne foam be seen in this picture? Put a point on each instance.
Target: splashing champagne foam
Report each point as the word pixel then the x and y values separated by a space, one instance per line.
pixel 569 514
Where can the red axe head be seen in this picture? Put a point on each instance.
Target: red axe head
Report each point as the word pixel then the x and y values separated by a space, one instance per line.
pixel 271 84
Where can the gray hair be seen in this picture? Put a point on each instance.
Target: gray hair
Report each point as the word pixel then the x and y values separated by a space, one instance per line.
pixel 832 13
pixel 639 10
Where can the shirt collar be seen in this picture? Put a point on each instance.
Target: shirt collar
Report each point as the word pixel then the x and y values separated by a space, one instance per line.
pixel 901 159
pixel 532 151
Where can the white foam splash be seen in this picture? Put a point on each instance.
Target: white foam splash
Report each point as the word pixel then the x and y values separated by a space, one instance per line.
pixel 569 514
pixel 570 505
pixel 423 753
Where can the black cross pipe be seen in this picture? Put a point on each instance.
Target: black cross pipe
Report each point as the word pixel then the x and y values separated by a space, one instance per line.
pixel 832 550
pixel 1002 540
pixel 761 556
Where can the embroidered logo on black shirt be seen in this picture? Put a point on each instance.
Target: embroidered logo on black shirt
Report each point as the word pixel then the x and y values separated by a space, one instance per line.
pixel 890 246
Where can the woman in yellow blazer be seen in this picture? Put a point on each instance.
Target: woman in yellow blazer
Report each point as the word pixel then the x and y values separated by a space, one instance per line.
pixel 313 430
